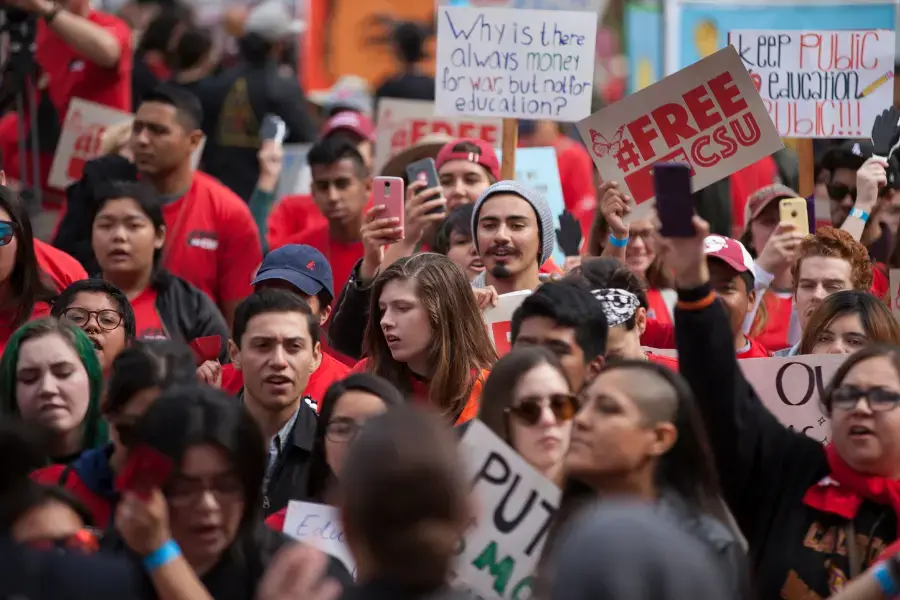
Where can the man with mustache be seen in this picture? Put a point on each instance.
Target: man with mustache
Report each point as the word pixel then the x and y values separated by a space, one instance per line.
pixel 514 234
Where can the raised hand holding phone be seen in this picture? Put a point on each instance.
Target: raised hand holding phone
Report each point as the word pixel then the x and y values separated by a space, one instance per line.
pixel 686 257
pixel 674 201
pixel 388 192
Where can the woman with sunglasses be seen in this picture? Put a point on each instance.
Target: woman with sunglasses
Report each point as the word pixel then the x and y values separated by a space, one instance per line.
pixel 32 273
pixel 638 434
pixel 128 235
pixel 528 403
pixel 103 312
pixel 347 405
pixel 49 375
pixel 139 374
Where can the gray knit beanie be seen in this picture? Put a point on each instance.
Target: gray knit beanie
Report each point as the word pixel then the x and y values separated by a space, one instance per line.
pixel 546 227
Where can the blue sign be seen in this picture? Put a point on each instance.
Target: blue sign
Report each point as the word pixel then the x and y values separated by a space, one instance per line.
pixel 643 45
pixel 537 168
pixel 703 28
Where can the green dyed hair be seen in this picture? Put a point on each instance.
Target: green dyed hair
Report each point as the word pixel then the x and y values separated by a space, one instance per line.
pixel 95 430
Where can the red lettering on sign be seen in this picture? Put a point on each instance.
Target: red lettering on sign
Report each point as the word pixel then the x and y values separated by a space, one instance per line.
pixel 640 182
pixel 674 124
pixel 643 133
pixel 727 94
pixel 85 147
pixel 702 108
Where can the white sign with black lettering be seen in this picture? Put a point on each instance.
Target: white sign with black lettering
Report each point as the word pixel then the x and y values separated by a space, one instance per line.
pixel 790 387
pixel 499 554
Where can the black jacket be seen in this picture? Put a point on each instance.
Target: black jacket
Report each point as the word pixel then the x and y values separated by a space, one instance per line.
pixel 234 106
pixel 765 469
pixel 187 313
pixel 291 471
pixel 350 316
pixel 73 235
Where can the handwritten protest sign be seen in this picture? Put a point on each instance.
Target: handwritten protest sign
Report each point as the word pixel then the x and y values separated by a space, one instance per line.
pixel 527 64
pixel 296 177
pixel 791 387
pixel 708 115
pixel 320 526
pixel 816 84
pixel 80 140
pixel 402 123
pixel 498 556
pixel 499 319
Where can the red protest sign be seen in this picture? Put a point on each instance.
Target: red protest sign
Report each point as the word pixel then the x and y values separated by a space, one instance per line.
pixel 709 116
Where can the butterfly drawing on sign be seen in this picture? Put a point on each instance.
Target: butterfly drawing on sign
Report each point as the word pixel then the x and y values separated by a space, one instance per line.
pixel 604 147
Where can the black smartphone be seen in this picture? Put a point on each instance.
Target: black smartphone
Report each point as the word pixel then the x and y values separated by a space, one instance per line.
pixel 273 128
pixel 674 202
pixel 425 171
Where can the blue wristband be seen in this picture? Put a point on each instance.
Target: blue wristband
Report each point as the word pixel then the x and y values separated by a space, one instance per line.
pixel 882 575
pixel 162 556
pixel 860 214
pixel 617 242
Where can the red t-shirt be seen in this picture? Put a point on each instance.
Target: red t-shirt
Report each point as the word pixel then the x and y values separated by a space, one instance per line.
pixel 329 371
pixel 881 285
pixel 292 216
pixel 576 174
pixel 774 335
pixel 59 266
pixel 70 75
pixel 754 350
pixel 148 324
pixel 342 256
pixel 666 361
pixel 213 241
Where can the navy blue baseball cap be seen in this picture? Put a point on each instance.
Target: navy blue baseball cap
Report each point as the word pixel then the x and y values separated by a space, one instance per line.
pixel 302 266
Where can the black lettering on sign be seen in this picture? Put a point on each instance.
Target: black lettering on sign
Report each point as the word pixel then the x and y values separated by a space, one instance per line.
pixel 813 385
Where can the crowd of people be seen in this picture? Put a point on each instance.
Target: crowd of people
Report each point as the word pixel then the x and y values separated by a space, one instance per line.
pixel 191 352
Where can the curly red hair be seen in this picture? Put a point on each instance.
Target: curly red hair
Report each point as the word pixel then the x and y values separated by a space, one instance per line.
pixel 830 242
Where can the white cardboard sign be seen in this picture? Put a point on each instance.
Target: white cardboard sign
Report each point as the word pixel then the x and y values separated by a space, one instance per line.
pixel 820 84
pixel 499 319
pixel 296 176
pixel 319 525
pixel 403 123
pixel 708 115
pixel 523 64
pixel 498 557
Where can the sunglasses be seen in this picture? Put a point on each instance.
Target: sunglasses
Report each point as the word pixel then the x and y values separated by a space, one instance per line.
pixel 878 399
pixel 839 191
pixel 530 409
pixel 7 232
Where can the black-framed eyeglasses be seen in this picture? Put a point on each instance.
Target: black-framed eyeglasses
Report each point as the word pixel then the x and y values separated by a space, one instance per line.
pixel 342 430
pixel 839 191
pixel 878 399
pixel 107 319
pixel 530 409
pixel 7 232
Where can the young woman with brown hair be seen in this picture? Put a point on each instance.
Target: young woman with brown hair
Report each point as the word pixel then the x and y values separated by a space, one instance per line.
pixel 425 335
pixel 847 321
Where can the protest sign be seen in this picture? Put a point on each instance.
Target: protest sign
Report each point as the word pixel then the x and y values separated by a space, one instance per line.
pixel 815 84
pixel 402 123
pixel 893 298
pixel 319 525
pixel 80 140
pixel 499 554
pixel 499 319
pixel 597 7
pixel 537 168
pixel 296 177
pixel 709 116
pixel 525 64
pixel 790 387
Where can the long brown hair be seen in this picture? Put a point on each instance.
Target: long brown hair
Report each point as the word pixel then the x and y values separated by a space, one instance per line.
pixel 876 318
pixel 459 340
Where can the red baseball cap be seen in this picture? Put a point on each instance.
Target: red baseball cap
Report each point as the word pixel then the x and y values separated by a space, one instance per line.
pixel 485 157
pixel 353 122
pixel 729 250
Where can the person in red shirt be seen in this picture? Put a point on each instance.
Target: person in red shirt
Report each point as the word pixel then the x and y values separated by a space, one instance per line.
pixel 297 213
pixel 731 277
pixel 81 53
pixel 305 272
pixel 341 186
pixel 212 240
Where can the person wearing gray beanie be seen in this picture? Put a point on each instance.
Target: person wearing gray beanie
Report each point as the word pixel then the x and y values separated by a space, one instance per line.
pixel 511 269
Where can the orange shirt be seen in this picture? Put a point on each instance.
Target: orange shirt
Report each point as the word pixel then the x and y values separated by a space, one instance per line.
pixel 212 240
pixel 148 324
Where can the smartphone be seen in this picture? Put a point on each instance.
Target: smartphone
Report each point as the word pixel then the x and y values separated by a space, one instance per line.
pixel 794 210
pixel 674 202
pixel 425 171
pixel 389 192
pixel 273 128
pixel 145 468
